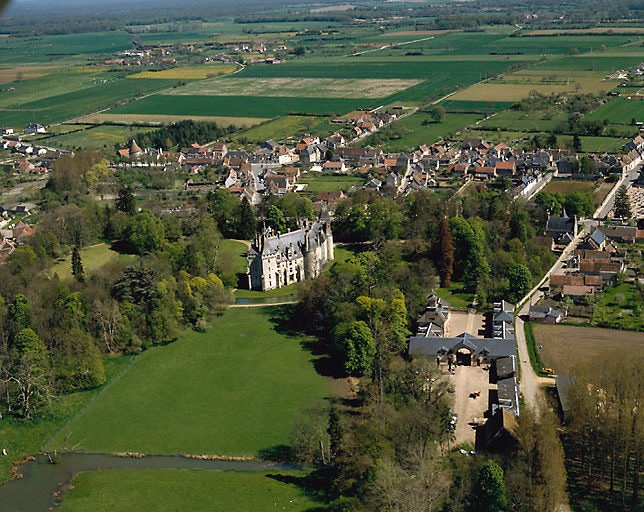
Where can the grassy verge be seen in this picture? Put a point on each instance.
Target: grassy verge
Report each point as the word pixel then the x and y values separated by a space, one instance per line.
pixel 24 438
pixel 234 389
pixel 256 294
pixel 168 490
pixel 533 350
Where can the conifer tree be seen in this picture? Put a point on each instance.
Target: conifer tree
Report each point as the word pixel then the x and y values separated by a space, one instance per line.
pixel 77 265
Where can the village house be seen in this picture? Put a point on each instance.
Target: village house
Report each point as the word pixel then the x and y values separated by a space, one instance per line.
pixel 33 128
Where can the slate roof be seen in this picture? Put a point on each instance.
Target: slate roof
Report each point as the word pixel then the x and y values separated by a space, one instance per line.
pixel 491 348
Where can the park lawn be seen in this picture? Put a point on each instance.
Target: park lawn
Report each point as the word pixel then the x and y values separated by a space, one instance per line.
pixel 456 295
pixel 284 291
pixel 234 389
pixel 564 346
pixel 24 438
pixel 342 252
pixel 169 490
pixel 93 257
pixel 237 252
pixel 326 183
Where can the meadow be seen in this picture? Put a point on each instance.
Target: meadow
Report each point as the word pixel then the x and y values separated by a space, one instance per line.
pixel 93 257
pixel 135 119
pixel 325 183
pixel 93 136
pixel 420 128
pixel 620 110
pixel 68 105
pixel 23 438
pixel 283 128
pixel 234 389
pixel 516 120
pixel 169 490
pixel 189 72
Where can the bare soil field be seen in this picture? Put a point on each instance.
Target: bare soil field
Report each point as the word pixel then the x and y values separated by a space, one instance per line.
pixel 242 122
pixel 295 87
pixel 8 75
pixel 563 346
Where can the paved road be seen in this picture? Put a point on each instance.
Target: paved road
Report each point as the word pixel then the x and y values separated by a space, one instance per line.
pixel 608 203
pixel 530 382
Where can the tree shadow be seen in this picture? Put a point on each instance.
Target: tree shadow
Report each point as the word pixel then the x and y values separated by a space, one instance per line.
pixel 122 247
pixel 278 453
pixel 316 485
pixel 286 321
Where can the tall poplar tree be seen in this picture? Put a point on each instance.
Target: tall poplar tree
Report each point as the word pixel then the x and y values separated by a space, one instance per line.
pixel 445 253
pixel 77 265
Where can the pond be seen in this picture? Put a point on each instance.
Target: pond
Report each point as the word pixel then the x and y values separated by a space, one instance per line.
pixel 34 492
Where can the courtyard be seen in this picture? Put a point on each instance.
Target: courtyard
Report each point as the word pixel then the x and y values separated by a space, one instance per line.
pixel 467 381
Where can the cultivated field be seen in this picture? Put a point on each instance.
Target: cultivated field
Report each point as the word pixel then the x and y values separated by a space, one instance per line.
pixel 241 122
pixel 8 75
pixel 566 186
pixel 296 87
pixel 234 390
pixel 189 72
pixel 285 127
pixel 620 110
pixel 565 345
pixel 519 85
pixel 169 490
pixel 93 136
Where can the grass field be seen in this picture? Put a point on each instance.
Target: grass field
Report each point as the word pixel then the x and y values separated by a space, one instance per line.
pixel 93 258
pixel 296 87
pixel 282 128
pixel 189 72
pixel 68 105
pixel 234 390
pixel 519 85
pixel 239 106
pixel 94 136
pixel 169 490
pixel 620 110
pixel 456 295
pixel 236 251
pixel 619 307
pixel 242 122
pixel 566 345
pixel 516 120
pixel 284 291
pixel 22 439
pixel 474 106
pixel 415 132
pixel 325 183
pixel 566 186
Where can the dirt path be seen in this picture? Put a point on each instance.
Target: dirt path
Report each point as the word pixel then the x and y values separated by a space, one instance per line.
pixel 388 46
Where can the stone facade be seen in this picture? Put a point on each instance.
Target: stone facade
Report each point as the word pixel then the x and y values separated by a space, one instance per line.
pixel 276 260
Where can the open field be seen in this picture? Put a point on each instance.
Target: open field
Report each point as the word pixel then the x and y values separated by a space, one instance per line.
pixel 239 106
pixel 241 122
pixel 93 257
pixel 608 30
pixel 234 389
pixel 169 490
pixel 516 120
pixel 519 85
pixel 620 110
pixel 566 345
pixel 296 87
pixel 566 186
pixel 68 105
pixel 284 127
pixel 8 75
pixel 474 106
pixel 325 183
pixel 24 438
pixel 419 128
pixel 189 72
pixel 93 136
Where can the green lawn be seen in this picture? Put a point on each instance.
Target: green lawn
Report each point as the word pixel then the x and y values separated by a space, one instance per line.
pixel 170 490
pixel 234 390
pixel 325 183
pixel 284 291
pixel 93 258
pixel 236 251
pixel 455 295
pixel 21 438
